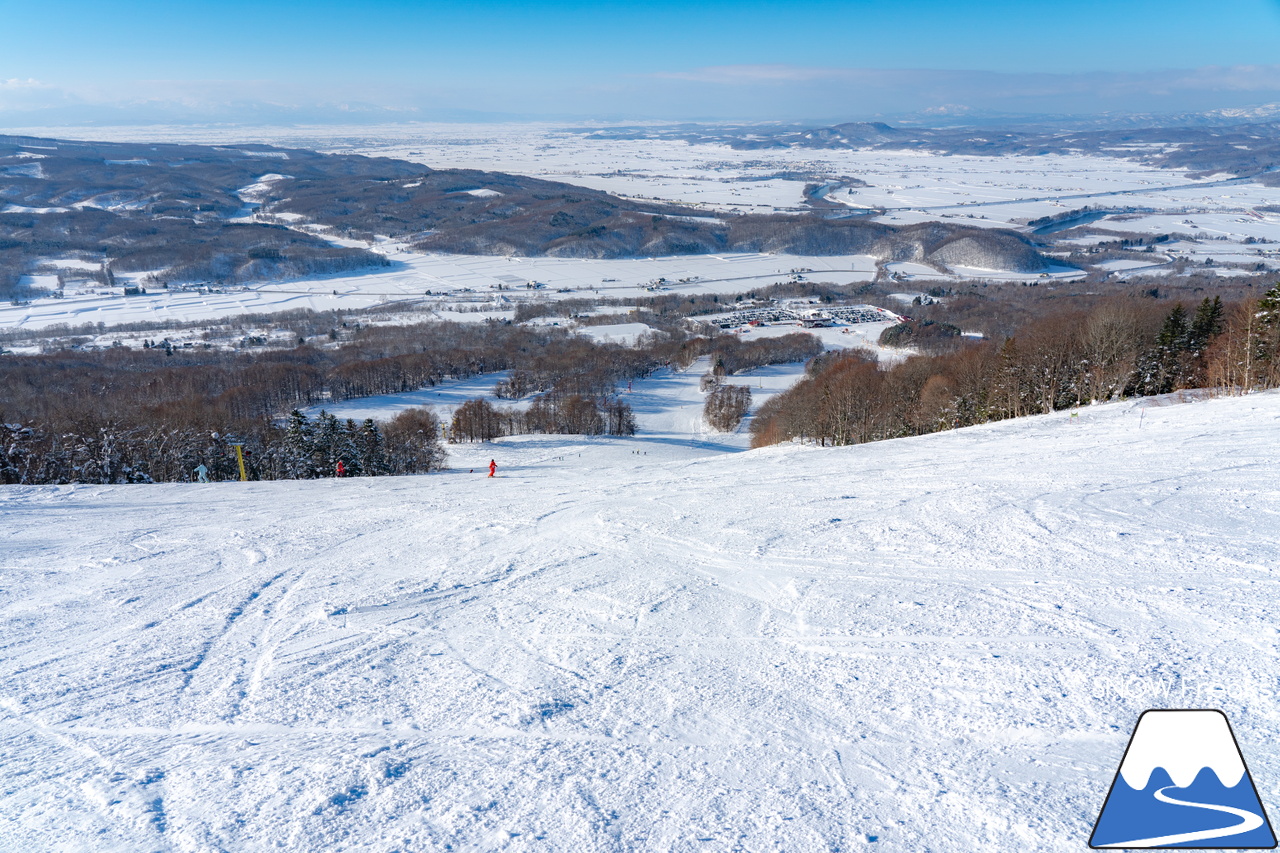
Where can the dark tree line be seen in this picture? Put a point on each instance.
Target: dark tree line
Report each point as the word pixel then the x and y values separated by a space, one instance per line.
pixel 1061 360
pixel 407 444
pixel 303 448
pixel 923 333
pixel 731 354
pixel 555 414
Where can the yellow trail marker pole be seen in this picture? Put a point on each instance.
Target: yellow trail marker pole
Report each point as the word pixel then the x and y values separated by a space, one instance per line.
pixel 244 477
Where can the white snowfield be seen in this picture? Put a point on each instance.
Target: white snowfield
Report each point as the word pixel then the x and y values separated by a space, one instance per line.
pixel 449 279
pixel 931 644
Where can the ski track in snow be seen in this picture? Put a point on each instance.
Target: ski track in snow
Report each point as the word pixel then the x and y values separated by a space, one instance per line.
pixel 939 642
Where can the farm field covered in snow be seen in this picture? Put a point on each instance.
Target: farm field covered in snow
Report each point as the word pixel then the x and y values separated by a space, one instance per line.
pixel 472 281
pixel 938 643
pixel 717 175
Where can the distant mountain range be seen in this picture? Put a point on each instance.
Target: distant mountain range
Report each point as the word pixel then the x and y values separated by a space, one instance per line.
pixel 1243 146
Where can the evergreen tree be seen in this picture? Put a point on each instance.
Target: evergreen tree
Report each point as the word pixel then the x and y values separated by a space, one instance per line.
pixel 1164 367
pixel 1269 306
pixel 370 450
pixel 1266 344
pixel 1206 325
pixel 299 446
pixel 328 444
pixel 348 449
pixel 1173 334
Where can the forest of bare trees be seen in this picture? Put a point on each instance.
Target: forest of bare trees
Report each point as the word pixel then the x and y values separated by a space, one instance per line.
pixel 1118 348
pixel 726 405
pixel 552 414
pixel 154 414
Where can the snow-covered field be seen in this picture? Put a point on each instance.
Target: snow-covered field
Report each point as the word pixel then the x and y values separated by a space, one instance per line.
pixel 932 644
pixel 475 281
pixel 996 189
pixel 911 187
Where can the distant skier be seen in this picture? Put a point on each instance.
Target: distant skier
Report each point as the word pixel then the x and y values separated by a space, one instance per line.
pixel 202 473
pixel 493 467
pixel 341 469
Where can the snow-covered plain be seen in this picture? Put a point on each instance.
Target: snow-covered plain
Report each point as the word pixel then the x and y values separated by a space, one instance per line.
pixel 910 186
pixel 438 282
pixel 977 190
pixel 934 644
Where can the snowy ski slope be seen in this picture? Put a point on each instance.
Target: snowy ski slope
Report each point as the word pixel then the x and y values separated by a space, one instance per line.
pixel 932 644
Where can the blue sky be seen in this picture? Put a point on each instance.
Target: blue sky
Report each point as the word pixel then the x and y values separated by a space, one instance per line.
pixel 689 59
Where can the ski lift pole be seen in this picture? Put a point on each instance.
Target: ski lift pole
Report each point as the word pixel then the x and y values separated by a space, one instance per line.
pixel 244 477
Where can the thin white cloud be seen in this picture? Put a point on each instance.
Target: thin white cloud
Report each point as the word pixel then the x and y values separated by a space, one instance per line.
pixel 759 92
pixel 1239 78
pixel 31 94
pixel 740 74
pixel 788 90
pixel 1236 78
pixel 14 84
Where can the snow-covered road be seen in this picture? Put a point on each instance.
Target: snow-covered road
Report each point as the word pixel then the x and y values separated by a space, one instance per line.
pixel 933 644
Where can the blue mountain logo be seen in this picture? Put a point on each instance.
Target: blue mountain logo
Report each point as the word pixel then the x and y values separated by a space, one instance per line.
pixel 1183 783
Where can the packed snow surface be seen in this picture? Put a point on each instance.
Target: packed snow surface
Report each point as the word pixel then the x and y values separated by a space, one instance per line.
pixel 932 644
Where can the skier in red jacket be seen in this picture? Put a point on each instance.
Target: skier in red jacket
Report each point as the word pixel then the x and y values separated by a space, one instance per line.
pixel 493 467
pixel 341 469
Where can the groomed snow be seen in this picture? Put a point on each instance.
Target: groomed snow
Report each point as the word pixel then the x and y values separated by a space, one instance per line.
pixel 932 644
